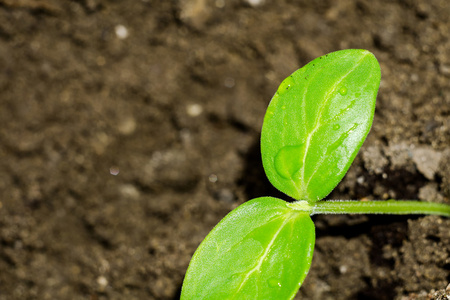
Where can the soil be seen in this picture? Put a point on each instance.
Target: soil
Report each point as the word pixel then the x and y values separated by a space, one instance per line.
pixel 171 94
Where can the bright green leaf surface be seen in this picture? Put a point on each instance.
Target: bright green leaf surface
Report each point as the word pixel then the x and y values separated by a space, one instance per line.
pixel 317 121
pixel 261 250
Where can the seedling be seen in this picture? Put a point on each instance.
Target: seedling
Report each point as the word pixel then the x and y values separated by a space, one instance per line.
pixel 313 128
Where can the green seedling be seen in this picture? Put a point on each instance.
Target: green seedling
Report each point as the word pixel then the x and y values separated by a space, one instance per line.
pixel 313 128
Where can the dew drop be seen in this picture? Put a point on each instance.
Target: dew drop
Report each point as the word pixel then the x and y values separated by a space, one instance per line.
pixel 273 282
pixel 343 91
pixel 285 85
pixel 333 146
pixel 269 115
pixel 336 126
pixel 288 161
pixel 283 107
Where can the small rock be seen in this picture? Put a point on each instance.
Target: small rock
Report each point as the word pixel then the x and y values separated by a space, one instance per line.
pixel 114 170
pixel 102 281
pixel 430 193
pixel 121 32
pixel 444 172
pixel 213 178
pixel 400 156
pixel 129 191
pixel 220 3
pixel 194 110
pixel 255 3
pixel 127 126
pixel 194 13
pixel 229 82
pixel 427 161
pixel 225 195
pixel 374 160
pixel 360 180
pixel 444 69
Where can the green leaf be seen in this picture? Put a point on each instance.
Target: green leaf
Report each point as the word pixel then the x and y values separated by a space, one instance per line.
pixel 317 121
pixel 261 250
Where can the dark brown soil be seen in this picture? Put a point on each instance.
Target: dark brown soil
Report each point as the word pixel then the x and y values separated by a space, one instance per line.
pixel 172 94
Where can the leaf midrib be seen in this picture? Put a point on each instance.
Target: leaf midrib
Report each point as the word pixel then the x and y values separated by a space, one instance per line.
pixel 264 255
pixel 317 125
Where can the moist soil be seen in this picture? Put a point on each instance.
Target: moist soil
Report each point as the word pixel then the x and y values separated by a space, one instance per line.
pixel 171 95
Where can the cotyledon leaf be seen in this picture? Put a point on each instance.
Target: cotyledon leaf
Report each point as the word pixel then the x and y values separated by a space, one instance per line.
pixel 317 121
pixel 261 250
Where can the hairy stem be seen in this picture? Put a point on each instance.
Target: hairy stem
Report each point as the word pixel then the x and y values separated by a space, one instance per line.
pixel 373 207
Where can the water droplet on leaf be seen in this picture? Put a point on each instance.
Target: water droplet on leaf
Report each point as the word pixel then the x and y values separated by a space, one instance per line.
pixel 269 113
pixel 343 91
pixel 333 146
pixel 273 282
pixel 336 126
pixel 289 160
pixel 285 85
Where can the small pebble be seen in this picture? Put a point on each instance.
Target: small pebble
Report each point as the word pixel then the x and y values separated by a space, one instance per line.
pixel 427 161
pixel 220 3
pixel 360 179
pixel 194 110
pixel 213 178
pixel 121 32
pixel 255 3
pixel 102 281
pixel 114 170
pixel 129 191
pixel 343 269
pixel 127 126
pixel 229 82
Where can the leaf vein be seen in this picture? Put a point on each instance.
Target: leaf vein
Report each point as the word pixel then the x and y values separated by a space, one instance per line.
pixel 318 124
pixel 264 255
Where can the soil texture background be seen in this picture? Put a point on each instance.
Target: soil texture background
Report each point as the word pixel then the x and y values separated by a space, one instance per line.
pixel 172 94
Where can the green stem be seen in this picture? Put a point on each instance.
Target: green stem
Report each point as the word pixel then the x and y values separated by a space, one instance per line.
pixel 373 207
